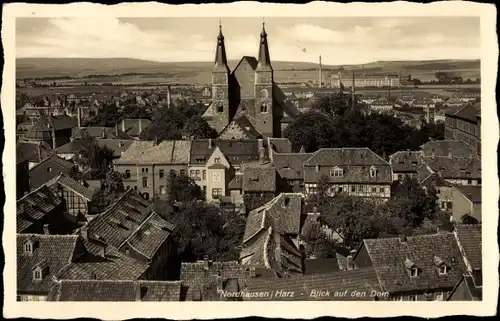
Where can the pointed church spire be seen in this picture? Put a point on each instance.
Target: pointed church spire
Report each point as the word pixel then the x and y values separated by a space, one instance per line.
pixel 220 53
pixel 264 58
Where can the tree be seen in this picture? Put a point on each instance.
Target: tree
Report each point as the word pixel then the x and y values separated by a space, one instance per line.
pixel 333 105
pixel 318 244
pixel 94 157
pixel 166 124
pixel 312 130
pixel 198 128
pixel 111 189
pixel 181 188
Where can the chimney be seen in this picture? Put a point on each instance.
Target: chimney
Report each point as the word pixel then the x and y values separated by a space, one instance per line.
pixel 317 168
pixel 206 263
pixel 320 73
pixel 140 126
pixel 79 116
pixel 103 134
pixel 210 143
pixel 262 155
pixel 138 292
pixel 349 263
pixel 123 125
pixel 46 229
pixel 53 133
pixel 39 147
pixel 450 154
pixel 353 91
pixel 83 233
pixel 169 97
pixel 116 130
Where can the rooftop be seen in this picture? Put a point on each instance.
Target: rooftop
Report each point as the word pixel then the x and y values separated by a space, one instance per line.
pixel 147 152
pixel 469 239
pixel 259 179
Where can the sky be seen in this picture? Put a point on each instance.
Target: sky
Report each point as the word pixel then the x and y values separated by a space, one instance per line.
pixel 339 40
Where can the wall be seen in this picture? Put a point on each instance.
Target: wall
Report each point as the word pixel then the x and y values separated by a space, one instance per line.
pixel 461 206
pixel 360 190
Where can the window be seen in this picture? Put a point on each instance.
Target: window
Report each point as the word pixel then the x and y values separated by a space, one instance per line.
pixel 217 160
pixel 198 172
pixel 216 177
pixel 374 189
pixel 439 296
pixel 28 247
pixel 337 172
pixel 49 169
pixel 373 172
pixel 144 182
pixel 162 190
pixel 204 190
pixel 127 251
pixel 191 173
pixel 469 181
pixel 145 196
pixel 414 272
pixel 382 190
pixel 220 109
pixel 135 188
pixel 37 274
pixel 216 192
pixel 204 174
pixel 142 169
pixel 127 173
pixel 339 189
pixel 162 173
pixel 353 188
pixel 443 270
pixel 412 297
pixel 263 108
pixel 264 93
pixel 127 187
pixel 183 172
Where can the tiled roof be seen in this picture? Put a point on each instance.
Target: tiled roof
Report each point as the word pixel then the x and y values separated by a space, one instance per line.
pixel 99 132
pixel 280 145
pixel 122 219
pixel 116 145
pixel 35 206
pixel 447 148
pixel 112 290
pixel 73 185
pixel 470 240
pixel 455 168
pixel 247 127
pixel 236 151
pixel 63 122
pixel 405 161
pixel 146 152
pixel 290 165
pixel 50 252
pixel 320 266
pixel 148 238
pixel 196 276
pixel 389 257
pixel 32 151
pixel 359 280
pixel 113 266
pixel 39 131
pixel 259 179
pixel 356 163
pixel 473 193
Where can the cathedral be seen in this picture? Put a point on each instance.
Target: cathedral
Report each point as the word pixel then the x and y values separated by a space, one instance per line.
pixel 246 102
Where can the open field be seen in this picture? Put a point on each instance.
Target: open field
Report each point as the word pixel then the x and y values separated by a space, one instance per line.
pixel 153 73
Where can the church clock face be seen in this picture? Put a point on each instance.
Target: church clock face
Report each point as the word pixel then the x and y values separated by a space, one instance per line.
pixel 219 94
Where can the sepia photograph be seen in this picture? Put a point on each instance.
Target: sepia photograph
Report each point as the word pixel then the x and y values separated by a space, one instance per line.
pixel 258 158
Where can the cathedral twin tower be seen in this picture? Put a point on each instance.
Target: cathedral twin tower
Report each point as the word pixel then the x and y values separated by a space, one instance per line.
pixel 243 104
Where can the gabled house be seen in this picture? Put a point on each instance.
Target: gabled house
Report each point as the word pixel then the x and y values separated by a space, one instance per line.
pixel 455 170
pixel 112 290
pixel 132 227
pixel 39 258
pixel 405 164
pixel 289 167
pixel 48 169
pixel 466 204
pixel 448 148
pixel 427 178
pixel 258 185
pixel 416 268
pixel 465 125
pixel 352 171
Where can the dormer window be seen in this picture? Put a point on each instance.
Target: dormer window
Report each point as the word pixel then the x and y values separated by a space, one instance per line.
pixel 28 247
pixel 217 160
pixel 414 272
pixel 337 172
pixel 441 266
pixel 220 109
pixel 443 270
pixel 411 267
pixel 37 274
pixel 373 171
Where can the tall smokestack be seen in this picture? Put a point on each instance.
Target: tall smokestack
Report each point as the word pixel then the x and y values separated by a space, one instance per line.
pixel 79 115
pixel 353 89
pixel 320 73
pixel 169 97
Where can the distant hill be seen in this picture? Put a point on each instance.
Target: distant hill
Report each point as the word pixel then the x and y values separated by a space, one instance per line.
pixel 200 71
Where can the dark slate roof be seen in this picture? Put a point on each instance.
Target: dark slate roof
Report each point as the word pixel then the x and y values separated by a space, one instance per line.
pixel 280 145
pixel 113 266
pixel 35 206
pixel 405 161
pixel 130 220
pixel 236 182
pixel 356 163
pixel 245 106
pixel 468 112
pixel 39 131
pixel 47 169
pixel 290 165
pixel 32 151
pixel 360 280
pixel 99 132
pixel 63 122
pixel 236 151
pixel 118 146
pixel 132 126
pixel 455 168
pixel 473 193
pixel 52 252
pixel 247 127
pixel 448 148
pixel 259 179
pixel 388 256
pixel 112 290
pixel 469 239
